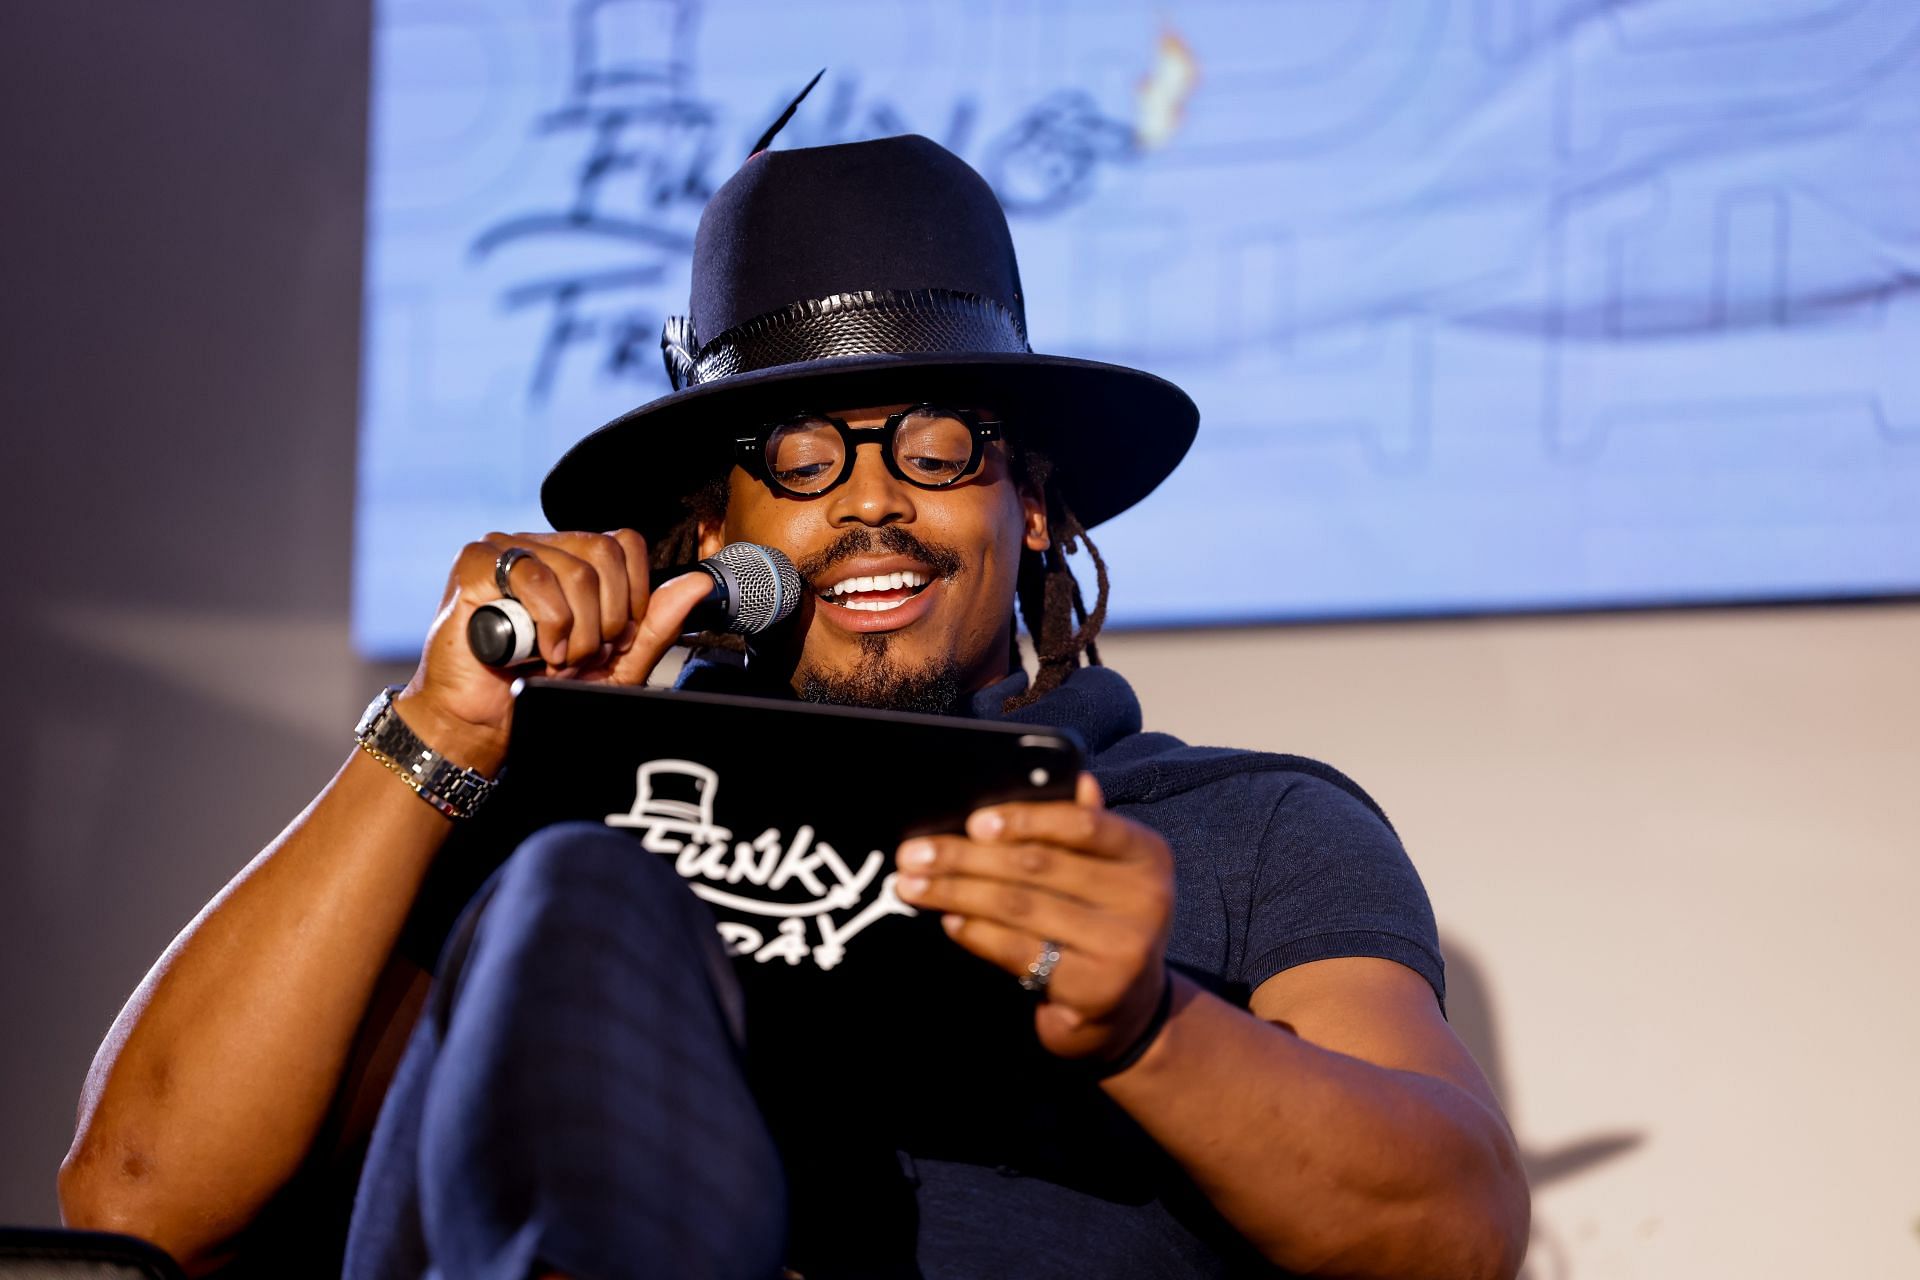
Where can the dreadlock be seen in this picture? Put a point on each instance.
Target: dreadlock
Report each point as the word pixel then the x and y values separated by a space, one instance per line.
pixel 1059 625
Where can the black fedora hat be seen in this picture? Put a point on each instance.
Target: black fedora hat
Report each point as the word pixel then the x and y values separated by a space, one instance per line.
pixel 858 274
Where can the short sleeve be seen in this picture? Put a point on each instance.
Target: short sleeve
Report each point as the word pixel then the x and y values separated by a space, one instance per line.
pixel 1333 881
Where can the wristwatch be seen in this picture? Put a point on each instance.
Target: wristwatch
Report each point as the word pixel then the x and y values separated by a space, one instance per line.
pixel 382 734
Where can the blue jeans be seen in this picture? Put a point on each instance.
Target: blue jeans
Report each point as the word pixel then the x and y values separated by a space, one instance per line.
pixel 573 1096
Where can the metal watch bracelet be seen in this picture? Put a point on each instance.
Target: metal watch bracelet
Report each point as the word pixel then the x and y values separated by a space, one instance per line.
pixel 455 791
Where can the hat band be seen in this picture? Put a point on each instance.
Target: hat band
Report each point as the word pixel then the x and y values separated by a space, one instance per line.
pixel 871 322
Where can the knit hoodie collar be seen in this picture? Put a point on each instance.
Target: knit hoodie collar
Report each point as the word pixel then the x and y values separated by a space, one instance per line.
pixel 1095 703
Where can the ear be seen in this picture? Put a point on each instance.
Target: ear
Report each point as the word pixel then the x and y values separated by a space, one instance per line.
pixel 711 538
pixel 1036 535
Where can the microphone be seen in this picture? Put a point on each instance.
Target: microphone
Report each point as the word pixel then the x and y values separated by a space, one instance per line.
pixel 753 588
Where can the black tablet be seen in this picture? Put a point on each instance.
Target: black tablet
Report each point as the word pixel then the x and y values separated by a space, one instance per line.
pixel 784 818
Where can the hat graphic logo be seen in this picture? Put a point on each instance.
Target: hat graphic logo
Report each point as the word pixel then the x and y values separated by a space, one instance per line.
pixel 818 899
pixel 654 812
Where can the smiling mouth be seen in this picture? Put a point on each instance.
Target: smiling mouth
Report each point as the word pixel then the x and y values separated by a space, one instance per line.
pixel 878 593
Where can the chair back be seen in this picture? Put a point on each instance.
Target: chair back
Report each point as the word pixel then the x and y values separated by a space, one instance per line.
pixel 33 1253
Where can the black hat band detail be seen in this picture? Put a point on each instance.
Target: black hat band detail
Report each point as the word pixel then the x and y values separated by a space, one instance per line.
pixel 865 323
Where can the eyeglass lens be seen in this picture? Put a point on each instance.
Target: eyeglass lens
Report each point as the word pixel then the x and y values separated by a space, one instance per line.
pixel 930 448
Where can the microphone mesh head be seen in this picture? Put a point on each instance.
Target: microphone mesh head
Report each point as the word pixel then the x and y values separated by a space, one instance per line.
pixel 768 586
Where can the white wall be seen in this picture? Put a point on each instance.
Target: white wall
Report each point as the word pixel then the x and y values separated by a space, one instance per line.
pixel 1676 854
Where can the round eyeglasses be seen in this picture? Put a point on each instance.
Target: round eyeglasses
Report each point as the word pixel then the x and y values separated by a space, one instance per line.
pixel 930 446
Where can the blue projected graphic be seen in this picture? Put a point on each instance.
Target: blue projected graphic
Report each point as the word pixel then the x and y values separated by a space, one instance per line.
pixel 1487 305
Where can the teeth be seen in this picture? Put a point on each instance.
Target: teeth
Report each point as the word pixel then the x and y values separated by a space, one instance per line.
pixel 872 606
pixel 876 582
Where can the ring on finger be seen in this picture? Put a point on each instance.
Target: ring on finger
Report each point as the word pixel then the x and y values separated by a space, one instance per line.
pixel 1040 969
pixel 503 569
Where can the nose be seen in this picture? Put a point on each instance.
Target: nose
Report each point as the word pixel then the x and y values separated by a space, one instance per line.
pixel 872 495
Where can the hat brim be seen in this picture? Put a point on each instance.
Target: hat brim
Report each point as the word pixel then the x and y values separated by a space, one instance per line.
pixel 1112 433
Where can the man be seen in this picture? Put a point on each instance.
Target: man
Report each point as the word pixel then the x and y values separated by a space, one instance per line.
pixel 1240 1060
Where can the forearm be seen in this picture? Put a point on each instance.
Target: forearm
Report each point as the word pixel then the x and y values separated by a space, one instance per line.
pixel 1328 1164
pixel 213 1083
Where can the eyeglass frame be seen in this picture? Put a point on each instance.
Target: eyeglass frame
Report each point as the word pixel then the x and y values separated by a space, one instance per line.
pixel 750 451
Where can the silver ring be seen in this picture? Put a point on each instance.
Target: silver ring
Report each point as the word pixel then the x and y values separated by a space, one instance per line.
pixel 503 567
pixel 1040 969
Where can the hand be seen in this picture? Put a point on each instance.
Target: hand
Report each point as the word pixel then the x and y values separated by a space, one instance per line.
pixel 593 613
pixel 1098 885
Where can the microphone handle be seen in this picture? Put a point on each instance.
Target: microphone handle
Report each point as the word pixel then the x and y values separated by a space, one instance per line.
pixel 501 633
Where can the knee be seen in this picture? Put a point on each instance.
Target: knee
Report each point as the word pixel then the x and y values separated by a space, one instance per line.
pixel 566 852
pixel 595 907
pixel 583 870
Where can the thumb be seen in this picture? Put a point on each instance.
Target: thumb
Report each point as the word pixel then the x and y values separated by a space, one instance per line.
pixel 660 626
pixel 1086 792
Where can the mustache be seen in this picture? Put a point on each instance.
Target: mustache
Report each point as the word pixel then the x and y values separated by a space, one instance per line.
pixel 943 561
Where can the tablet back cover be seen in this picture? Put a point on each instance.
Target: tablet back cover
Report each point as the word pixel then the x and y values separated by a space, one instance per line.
pixel 784 818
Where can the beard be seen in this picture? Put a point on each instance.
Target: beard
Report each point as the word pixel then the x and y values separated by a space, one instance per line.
pixel 878 679
pixel 881 683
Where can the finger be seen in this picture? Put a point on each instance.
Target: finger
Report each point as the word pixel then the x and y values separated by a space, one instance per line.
pixel 1077 981
pixel 1061 822
pixel 639 569
pixel 609 562
pixel 1094 880
pixel 534 585
pixel 634 571
pixel 1019 906
pixel 1086 791
pixel 579 638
